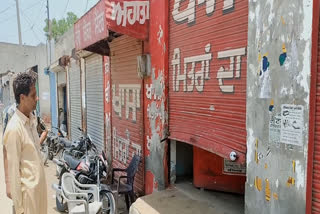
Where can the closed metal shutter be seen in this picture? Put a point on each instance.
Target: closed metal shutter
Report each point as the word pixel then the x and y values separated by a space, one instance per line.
pixel 207 74
pixel 94 99
pixel 127 105
pixel 75 100
pixel 316 155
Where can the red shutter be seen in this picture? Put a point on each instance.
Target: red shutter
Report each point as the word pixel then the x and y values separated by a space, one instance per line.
pixel 127 105
pixel 316 155
pixel 207 108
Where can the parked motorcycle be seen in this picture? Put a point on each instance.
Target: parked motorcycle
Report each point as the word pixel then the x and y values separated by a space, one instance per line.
pixel 90 169
pixel 57 142
pixel 76 149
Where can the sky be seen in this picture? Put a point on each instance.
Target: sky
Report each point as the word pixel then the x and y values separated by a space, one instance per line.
pixel 32 16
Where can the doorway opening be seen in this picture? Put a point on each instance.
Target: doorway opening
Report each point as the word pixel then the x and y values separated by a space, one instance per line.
pixel 62 104
pixel 207 177
pixel 184 164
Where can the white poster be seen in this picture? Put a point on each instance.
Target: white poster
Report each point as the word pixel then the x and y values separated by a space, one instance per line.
pixel 292 124
pixel 275 129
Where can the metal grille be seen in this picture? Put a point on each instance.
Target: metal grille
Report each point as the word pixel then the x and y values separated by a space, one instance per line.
pixel 94 99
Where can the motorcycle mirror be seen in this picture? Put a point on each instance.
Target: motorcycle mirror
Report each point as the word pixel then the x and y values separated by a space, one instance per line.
pixel 89 137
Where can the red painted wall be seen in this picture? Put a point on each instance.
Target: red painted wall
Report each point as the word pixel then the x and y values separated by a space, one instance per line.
pixel 156 94
pixel 107 106
pixel 208 173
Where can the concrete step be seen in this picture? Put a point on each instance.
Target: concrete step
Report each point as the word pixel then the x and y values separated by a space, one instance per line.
pixel 185 199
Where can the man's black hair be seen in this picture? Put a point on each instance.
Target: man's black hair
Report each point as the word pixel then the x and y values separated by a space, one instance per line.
pixel 23 83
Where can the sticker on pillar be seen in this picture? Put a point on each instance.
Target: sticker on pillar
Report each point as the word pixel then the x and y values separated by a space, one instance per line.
pixel 290 181
pixel 107 92
pixel 283 55
pixel 265 79
pixel 271 106
pixel 275 196
pixel 267 190
pixel 275 129
pixel 258 183
pixel 292 124
pixel 234 167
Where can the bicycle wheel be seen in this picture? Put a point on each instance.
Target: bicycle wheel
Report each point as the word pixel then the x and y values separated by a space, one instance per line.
pixel 108 202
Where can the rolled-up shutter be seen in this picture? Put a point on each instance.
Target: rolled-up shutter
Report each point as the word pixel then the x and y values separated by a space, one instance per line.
pixel 94 99
pixel 75 100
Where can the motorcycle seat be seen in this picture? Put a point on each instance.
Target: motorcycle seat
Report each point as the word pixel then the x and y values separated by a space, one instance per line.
pixel 67 143
pixel 71 161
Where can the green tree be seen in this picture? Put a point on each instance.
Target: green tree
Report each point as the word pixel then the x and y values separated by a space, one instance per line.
pixel 59 27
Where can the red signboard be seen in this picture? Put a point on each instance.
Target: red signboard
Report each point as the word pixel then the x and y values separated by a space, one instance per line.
pixel 126 17
pixel 91 27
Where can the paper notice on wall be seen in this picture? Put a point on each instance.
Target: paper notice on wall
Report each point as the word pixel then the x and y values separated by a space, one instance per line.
pixel 265 81
pixel 292 124
pixel 275 129
pixel 234 167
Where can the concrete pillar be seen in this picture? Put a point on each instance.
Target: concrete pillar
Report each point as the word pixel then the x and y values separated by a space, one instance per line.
pixel 278 96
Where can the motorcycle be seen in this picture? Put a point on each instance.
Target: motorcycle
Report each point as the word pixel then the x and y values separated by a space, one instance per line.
pixel 90 169
pixel 75 150
pixel 58 142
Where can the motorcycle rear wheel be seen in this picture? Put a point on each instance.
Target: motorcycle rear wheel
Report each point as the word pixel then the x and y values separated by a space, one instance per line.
pixel 108 202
